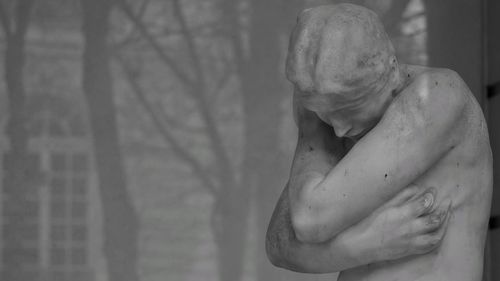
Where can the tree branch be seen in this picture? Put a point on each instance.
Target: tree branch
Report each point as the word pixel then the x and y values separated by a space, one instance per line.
pixel 222 81
pixel 143 7
pixel 230 15
pixel 174 123
pixel 4 20
pixel 190 42
pixel 196 87
pixel 200 92
pixel 154 44
pixel 181 152
pixel 24 8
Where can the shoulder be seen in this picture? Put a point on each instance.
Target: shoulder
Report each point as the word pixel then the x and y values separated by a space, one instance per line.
pixel 442 78
pixel 430 107
pixel 439 87
pixel 433 97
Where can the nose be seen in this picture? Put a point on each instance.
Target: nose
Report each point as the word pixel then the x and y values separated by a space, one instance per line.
pixel 341 130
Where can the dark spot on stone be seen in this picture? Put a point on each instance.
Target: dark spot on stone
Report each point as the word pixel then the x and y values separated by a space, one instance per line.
pixel 385 176
pixel 343 194
pixel 408 74
pixel 437 83
pixel 458 186
pixel 394 93
pixel 315 59
pixel 309 207
pixel 458 164
pixel 361 63
pixel 310 149
pixel 353 82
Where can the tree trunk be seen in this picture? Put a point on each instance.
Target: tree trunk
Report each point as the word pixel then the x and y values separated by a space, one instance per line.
pixel 230 230
pixel 19 210
pixel 120 220
pixel 263 90
pixel 232 205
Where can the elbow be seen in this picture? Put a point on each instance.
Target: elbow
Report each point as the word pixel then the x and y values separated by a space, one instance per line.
pixel 308 228
pixel 281 253
pixel 305 219
pixel 280 259
pixel 276 259
pixel 313 224
pixel 312 220
pixel 273 252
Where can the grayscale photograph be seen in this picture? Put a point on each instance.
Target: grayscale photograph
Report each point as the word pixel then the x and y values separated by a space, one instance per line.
pixel 249 140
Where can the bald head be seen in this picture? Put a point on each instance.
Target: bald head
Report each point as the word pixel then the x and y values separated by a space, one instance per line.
pixel 341 49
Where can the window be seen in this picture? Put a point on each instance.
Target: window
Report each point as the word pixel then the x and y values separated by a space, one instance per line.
pixel 21 235
pixel 54 230
pixel 68 196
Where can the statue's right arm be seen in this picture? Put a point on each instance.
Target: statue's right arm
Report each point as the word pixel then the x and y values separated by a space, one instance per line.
pixel 317 151
pixel 401 227
pixel 286 251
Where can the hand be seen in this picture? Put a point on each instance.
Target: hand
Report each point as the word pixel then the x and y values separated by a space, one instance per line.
pixel 409 224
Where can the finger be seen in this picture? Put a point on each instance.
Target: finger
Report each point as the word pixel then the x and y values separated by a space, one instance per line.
pixel 420 205
pixel 430 241
pixel 430 222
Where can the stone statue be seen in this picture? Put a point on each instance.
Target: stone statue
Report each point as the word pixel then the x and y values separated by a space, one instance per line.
pixel 392 174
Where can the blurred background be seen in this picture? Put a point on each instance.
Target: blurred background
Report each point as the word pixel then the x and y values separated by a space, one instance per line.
pixel 148 140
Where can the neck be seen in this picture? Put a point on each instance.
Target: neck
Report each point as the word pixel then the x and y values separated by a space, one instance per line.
pixel 399 81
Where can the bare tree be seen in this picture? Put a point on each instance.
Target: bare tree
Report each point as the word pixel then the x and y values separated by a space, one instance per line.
pixel 263 92
pixel 229 218
pixel 120 219
pixel 259 73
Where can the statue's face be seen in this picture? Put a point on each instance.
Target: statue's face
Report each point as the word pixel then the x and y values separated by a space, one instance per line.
pixel 340 60
pixel 352 120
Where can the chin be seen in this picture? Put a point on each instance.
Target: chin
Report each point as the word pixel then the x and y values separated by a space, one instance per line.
pixel 354 139
pixel 358 136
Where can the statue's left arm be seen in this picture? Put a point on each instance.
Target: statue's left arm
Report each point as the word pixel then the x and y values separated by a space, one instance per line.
pixel 408 224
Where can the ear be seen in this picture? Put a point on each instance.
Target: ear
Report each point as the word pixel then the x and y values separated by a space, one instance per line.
pixel 393 62
pixel 394 75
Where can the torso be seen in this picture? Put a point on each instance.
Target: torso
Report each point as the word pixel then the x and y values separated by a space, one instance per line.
pixel 465 175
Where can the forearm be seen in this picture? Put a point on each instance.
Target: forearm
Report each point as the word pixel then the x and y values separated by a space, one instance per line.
pixel 308 221
pixel 309 170
pixel 284 249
